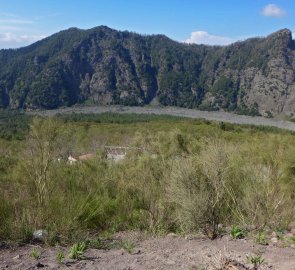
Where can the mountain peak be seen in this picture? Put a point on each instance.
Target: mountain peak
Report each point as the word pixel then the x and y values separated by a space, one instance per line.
pixel 282 37
pixel 106 66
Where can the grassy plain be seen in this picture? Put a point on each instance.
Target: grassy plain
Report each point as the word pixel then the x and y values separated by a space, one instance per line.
pixel 182 176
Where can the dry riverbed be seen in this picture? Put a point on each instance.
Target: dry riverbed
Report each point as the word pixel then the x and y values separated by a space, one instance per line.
pixel 174 111
pixel 169 252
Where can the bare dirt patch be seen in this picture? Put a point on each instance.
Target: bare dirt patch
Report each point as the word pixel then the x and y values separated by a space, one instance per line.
pixel 169 252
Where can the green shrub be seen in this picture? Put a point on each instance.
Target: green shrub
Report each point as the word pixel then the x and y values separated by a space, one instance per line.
pixel 237 233
pixel 35 254
pixel 202 189
pixel 261 238
pixel 60 257
pixel 5 218
pixel 292 240
pixel 77 251
pixel 128 246
pixel 256 260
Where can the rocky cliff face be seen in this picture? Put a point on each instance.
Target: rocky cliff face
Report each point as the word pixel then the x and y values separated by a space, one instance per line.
pixel 271 86
pixel 104 66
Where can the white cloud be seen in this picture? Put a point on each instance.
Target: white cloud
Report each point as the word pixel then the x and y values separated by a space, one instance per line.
pixel 10 28
pixel 16 31
pixel 273 10
pixel 10 40
pixel 202 37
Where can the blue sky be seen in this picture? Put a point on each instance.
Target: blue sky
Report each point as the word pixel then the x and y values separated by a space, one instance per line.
pixel 209 22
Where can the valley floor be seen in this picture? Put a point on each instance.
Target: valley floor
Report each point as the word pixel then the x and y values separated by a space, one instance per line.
pixel 169 252
pixel 175 111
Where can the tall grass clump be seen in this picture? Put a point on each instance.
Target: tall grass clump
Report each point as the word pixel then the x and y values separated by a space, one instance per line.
pixel 202 188
pixel 268 194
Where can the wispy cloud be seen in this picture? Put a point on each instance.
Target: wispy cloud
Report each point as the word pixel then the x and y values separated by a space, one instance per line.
pixel 10 40
pixel 203 37
pixel 16 31
pixel 272 10
pixel 11 28
pixel 11 15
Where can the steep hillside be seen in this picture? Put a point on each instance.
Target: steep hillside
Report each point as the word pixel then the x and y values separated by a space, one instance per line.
pixel 105 66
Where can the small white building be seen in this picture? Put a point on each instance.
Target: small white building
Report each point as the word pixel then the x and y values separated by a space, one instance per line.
pixel 116 153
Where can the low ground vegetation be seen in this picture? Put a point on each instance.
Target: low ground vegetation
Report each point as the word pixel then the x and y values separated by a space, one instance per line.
pixel 190 176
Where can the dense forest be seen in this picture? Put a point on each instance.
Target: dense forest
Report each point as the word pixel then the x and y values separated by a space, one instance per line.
pixel 105 66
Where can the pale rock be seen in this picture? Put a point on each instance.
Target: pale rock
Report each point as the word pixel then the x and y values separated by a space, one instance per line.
pixel 40 235
pixel 274 240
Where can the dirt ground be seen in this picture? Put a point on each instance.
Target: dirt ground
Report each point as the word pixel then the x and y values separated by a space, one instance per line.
pixel 175 111
pixel 169 252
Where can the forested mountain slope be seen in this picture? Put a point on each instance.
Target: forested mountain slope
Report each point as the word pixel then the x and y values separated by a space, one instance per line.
pixel 105 66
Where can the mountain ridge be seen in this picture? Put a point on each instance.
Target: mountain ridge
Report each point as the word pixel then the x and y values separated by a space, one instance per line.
pixel 105 66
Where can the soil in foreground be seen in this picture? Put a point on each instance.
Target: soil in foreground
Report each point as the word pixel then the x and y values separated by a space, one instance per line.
pixel 137 251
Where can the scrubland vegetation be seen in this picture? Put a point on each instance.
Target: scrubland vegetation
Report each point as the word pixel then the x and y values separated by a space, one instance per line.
pixel 181 176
